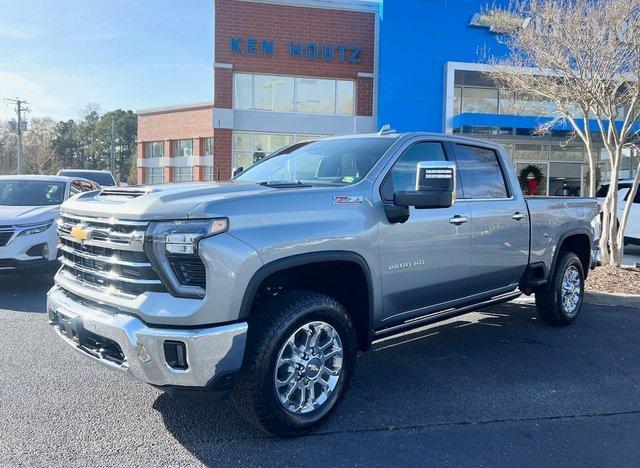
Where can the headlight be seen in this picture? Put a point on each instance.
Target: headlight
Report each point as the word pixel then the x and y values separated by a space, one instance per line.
pixel 172 248
pixel 28 229
pixel 596 224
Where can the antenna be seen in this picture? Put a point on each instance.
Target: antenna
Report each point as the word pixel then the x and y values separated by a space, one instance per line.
pixel 386 129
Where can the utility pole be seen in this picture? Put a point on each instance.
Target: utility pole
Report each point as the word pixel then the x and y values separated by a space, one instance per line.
pixel 19 110
pixel 112 164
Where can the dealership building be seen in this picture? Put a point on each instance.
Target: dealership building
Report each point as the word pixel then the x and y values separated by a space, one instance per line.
pixel 291 70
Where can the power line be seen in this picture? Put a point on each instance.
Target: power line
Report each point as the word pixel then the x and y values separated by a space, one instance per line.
pixel 20 109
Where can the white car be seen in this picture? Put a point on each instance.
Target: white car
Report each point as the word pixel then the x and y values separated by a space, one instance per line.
pixel 29 206
pixel 632 233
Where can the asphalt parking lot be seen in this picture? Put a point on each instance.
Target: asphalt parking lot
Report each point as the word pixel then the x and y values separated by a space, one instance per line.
pixel 488 388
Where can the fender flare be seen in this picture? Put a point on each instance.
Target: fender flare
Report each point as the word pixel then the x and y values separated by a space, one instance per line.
pixel 285 263
pixel 562 238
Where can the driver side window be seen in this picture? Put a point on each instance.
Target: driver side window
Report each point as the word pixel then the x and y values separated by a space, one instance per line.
pixel 402 176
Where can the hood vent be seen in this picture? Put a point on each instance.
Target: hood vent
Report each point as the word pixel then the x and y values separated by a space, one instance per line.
pixel 121 193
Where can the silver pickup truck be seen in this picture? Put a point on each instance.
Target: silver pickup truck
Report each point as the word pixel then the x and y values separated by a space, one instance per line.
pixel 267 286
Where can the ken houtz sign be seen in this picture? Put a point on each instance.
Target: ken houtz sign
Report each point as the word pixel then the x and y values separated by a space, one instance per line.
pixel 296 49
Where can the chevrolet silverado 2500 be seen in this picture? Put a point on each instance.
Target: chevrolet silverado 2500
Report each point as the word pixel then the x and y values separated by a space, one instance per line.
pixel 267 286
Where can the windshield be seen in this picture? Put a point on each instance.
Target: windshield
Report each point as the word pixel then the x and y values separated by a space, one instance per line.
pixel 31 193
pixel 604 189
pixel 326 162
pixel 102 178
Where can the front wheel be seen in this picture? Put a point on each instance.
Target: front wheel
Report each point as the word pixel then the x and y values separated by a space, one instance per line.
pixel 300 358
pixel 561 300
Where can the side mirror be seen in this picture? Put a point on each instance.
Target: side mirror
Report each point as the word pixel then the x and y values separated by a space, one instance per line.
pixel 435 186
pixel 237 171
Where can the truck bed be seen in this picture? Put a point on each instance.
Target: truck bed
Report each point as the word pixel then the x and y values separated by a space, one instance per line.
pixel 556 217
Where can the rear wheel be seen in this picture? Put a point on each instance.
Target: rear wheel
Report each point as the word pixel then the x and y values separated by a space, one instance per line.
pixel 300 358
pixel 561 300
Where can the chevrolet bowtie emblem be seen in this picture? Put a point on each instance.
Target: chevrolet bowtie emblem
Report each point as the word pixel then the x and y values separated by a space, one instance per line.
pixel 81 233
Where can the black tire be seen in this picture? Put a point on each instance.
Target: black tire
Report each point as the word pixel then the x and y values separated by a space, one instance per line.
pixel 549 300
pixel 270 327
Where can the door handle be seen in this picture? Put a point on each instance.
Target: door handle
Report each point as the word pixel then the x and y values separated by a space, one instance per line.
pixel 458 220
pixel 518 216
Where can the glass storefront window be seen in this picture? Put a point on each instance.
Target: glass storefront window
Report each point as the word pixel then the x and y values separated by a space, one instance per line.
pixel 569 153
pixel 457 100
pixel 345 94
pixel 531 105
pixel 277 93
pixel 242 141
pixel 507 102
pixel 316 96
pixel 565 179
pixel 248 147
pixel 182 174
pixel 154 149
pixel 154 175
pixel 207 174
pixel 298 138
pixel 529 187
pixel 183 147
pixel 242 91
pixel 273 93
pixel 480 100
pixel 530 152
pixel 207 147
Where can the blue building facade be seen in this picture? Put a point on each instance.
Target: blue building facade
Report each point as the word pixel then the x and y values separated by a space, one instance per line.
pixel 431 63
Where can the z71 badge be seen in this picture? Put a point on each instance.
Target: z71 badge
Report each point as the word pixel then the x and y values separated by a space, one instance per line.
pixel 347 200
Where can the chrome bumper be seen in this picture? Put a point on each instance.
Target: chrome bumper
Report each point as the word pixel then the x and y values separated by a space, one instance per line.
pixel 125 343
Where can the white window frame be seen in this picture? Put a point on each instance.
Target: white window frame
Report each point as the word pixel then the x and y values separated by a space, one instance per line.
pixel 209 177
pixel 178 169
pixel 153 169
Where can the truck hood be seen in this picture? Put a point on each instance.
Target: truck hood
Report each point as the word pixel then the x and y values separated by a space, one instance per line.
pixel 154 202
pixel 12 215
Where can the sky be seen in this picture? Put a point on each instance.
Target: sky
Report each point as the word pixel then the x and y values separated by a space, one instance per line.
pixel 61 55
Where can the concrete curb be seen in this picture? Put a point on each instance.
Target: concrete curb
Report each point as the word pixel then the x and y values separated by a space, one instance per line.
pixel 596 298
pixel 619 300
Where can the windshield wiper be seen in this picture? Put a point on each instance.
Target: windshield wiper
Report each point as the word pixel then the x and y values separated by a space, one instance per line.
pixel 284 183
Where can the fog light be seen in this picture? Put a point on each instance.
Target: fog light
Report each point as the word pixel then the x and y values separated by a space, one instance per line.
pixel 175 353
pixel 40 250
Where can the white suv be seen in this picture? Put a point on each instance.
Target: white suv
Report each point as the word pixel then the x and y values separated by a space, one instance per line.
pixel 29 206
pixel 632 233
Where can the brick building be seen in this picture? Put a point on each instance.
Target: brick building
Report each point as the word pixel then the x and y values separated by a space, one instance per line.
pixel 284 70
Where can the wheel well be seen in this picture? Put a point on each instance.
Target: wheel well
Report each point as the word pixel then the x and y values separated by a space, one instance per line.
pixel 580 245
pixel 345 281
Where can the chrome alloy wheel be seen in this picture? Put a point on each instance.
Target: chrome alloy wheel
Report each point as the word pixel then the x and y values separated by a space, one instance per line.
pixel 571 288
pixel 309 367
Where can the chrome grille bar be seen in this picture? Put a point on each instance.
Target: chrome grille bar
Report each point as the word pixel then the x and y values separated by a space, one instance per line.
pixel 111 259
pixel 106 275
pixel 100 258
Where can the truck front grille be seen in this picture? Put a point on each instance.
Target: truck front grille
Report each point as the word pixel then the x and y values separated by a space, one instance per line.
pixel 109 257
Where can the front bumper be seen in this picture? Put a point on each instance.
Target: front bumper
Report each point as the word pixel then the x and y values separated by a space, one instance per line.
pixel 125 343
pixel 16 254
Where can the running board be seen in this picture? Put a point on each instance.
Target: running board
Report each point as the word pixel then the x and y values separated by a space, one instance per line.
pixel 442 315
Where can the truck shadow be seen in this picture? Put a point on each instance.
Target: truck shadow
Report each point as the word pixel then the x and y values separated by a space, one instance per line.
pixel 25 291
pixel 399 380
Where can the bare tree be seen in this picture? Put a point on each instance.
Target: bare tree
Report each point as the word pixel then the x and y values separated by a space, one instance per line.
pixel 8 148
pixel 40 157
pixel 584 57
